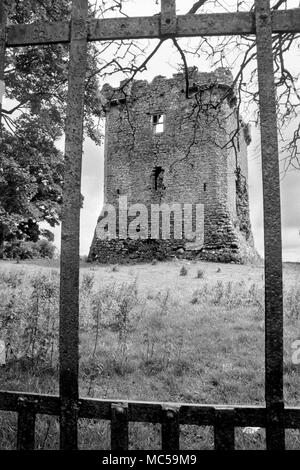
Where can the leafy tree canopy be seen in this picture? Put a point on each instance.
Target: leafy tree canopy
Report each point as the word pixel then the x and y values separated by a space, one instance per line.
pixel 31 166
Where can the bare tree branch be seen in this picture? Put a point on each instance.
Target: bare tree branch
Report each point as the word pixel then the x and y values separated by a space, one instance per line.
pixel 196 7
pixel 278 4
pixel 186 72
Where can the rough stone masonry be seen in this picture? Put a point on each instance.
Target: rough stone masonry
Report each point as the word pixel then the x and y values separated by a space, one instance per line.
pixel 178 140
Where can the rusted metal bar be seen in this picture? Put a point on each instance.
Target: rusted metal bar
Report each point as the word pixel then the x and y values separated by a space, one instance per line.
pixel 170 429
pixel 224 429
pixel 26 423
pixel 3 18
pixel 133 28
pixel 69 267
pixel 38 33
pixel 212 24
pixel 150 412
pixel 44 404
pixel 119 426
pixel 272 230
pixel 168 19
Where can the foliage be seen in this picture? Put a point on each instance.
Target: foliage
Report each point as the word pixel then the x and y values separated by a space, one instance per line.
pixel 183 271
pixel 28 319
pixel 29 250
pixel 31 165
pixel 36 81
pixel 200 274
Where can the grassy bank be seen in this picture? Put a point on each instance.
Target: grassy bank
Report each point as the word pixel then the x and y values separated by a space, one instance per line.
pixel 147 332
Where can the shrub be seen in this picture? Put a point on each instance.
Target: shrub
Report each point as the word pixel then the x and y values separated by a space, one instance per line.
pixel 29 319
pixel 28 250
pixel 200 274
pixel 183 271
pixel 87 283
pixel 25 250
pixel 45 248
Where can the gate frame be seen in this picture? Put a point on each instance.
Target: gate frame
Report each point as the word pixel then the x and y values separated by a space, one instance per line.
pixel 275 417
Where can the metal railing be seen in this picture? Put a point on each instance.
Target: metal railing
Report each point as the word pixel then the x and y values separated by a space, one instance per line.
pixel 274 417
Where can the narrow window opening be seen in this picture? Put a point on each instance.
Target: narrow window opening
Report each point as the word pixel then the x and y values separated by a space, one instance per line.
pixel 158 176
pixel 158 123
pixel 204 187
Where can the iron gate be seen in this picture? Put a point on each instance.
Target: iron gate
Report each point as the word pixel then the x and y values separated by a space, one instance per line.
pixel 274 417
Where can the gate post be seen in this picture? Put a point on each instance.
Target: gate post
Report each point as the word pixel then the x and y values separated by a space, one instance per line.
pixel 69 267
pixel 272 230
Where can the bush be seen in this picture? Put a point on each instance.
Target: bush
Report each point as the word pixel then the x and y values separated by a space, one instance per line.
pixel 200 274
pixel 183 271
pixel 25 250
pixel 45 248
pixel 29 319
pixel 29 250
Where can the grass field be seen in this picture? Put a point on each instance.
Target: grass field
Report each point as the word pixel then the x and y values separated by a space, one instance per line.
pixel 176 331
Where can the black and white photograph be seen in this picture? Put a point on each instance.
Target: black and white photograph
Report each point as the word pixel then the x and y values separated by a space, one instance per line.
pixel 149 228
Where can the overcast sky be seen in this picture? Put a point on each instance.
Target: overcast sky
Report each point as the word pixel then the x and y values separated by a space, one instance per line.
pixel 164 63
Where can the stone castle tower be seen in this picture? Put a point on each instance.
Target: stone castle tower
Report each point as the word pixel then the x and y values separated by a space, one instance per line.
pixel 177 141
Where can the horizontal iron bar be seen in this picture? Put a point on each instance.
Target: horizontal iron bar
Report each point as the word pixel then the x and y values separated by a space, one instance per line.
pixel 214 24
pixel 151 412
pixel 37 33
pixel 45 404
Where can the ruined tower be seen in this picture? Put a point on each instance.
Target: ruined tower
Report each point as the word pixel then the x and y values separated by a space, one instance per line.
pixel 177 141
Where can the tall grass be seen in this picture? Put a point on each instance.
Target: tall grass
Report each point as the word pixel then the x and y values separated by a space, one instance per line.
pixel 206 348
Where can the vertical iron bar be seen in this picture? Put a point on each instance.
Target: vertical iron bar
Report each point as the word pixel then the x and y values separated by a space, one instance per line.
pixel 3 19
pixel 69 267
pixel 119 426
pixel 26 425
pixel 170 429
pixel 224 429
pixel 168 17
pixel 272 229
pixel 168 8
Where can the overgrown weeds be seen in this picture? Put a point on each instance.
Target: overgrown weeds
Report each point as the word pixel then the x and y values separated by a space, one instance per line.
pixel 153 344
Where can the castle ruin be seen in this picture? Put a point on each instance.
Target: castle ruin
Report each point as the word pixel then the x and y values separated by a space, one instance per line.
pixel 177 140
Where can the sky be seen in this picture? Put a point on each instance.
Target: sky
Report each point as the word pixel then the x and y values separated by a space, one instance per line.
pixel 164 63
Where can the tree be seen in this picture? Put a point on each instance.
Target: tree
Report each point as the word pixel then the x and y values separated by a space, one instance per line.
pixel 31 166
pixel 31 176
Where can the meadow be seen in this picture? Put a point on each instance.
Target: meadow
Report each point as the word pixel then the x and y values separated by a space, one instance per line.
pixel 190 332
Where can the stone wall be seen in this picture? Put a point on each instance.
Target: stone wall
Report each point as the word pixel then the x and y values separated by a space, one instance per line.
pixel 200 157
